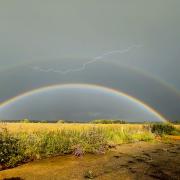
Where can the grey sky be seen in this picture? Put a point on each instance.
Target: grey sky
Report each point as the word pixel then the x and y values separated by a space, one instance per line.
pixel 77 103
pixel 61 35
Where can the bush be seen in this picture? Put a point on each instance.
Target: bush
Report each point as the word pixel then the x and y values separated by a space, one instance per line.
pixel 10 153
pixel 161 129
pixel 93 140
pixel 89 174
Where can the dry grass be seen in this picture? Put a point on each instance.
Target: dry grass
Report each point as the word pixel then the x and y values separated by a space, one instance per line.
pixel 34 127
pixel 28 141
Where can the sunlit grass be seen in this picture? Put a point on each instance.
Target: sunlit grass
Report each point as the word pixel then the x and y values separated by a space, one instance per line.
pixel 22 142
pixel 32 127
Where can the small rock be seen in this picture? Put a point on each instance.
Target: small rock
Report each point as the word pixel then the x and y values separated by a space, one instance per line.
pixel 116 156
pixel 111 145
pixel 130 162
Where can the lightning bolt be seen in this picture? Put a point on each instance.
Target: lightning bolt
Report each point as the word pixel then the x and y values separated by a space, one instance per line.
pixel 84 65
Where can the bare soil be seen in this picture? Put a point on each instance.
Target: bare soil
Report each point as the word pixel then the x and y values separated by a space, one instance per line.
pixel 136 161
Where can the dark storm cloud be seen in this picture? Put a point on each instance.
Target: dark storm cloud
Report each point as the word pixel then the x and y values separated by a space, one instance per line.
pixel 72 32
pixel 77 103
pixel 126 79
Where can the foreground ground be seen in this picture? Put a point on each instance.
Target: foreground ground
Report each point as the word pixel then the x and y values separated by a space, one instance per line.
pixel 141 160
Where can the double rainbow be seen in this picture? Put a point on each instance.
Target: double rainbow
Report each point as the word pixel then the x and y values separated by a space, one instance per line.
pixel 88 86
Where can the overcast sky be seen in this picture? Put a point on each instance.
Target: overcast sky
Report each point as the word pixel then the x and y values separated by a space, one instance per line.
pixel 130 45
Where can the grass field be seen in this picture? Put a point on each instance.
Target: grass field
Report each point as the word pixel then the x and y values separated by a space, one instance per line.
pixel 32 127
pixel 23 142
pixel 37 127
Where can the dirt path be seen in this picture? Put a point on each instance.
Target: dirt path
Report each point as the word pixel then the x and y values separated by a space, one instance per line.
pixel 141 161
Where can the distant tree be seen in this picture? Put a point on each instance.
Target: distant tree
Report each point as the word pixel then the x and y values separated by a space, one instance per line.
pixel 61 121
pixel 107 121
pixel 43 121
pixel 25 121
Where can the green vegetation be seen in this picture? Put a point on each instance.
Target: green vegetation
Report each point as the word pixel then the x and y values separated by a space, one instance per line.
pixel 107 121
pixel 17 147
pixel 25 121
pixel 164 129
pixel 21 147
pixel 61 121
pixel 10 151
pixel 89 174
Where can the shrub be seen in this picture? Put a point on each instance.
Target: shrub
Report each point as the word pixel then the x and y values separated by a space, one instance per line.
pixel 93 140
pixel 10 153
pixel 161 129
pixel 89 174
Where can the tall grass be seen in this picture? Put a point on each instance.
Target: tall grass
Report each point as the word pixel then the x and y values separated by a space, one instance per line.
pixel 34 141
pixel 22 142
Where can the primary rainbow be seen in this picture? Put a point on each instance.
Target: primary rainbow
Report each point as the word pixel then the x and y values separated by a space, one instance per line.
pixel 90 86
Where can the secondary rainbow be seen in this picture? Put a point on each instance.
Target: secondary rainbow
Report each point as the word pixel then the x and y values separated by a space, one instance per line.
pixel 134 69
pixel 89 86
